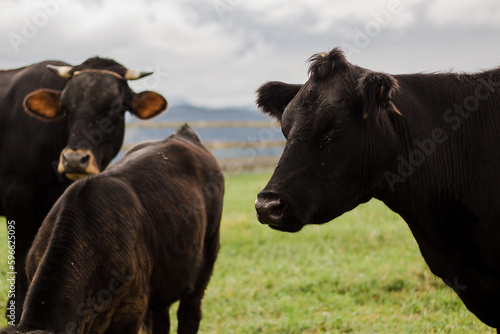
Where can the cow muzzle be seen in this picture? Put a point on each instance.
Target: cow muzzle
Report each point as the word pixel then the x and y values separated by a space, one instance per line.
pixel 269 210
pixel 272 211
pixel 77 164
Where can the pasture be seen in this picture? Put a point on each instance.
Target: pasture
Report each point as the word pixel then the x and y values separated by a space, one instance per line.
pixel 362 273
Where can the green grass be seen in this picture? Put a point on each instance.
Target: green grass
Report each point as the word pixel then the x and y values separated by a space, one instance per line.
pixel 362 273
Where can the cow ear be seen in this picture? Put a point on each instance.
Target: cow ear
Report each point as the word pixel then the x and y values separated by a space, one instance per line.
pixel 44 104
pixel 273 97
pixel 147 104
pixel 377 90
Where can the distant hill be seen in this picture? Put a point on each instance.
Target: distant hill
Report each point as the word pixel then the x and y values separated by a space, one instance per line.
pixel 189 113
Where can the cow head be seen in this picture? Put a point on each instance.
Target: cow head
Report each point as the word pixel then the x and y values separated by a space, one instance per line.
pixel 93 102
pixel 339 140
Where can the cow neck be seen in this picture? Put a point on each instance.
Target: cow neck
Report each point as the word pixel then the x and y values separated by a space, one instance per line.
pixel 407 180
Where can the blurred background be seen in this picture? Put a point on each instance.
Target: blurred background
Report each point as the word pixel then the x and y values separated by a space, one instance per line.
pixel 209 56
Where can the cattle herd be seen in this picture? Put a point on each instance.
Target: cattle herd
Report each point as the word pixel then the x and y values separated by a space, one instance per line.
pixel 144 232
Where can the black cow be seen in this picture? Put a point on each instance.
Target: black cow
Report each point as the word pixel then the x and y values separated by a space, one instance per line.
pixel 77 129
pixel 427 145
pixel 118 248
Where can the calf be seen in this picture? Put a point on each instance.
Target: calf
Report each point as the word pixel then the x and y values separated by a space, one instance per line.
pixel 118 248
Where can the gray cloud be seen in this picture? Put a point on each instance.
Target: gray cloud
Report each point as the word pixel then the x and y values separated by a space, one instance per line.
pixel 217 52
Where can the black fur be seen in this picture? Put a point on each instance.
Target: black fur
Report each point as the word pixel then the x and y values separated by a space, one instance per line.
pixel 98 63
pixel 118 248
pixel 430 154
pixel 322 65
pixel 377 90
pixel 91 116
pixel 273 97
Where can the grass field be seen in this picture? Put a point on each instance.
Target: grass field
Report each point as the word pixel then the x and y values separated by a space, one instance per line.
pixel 362 273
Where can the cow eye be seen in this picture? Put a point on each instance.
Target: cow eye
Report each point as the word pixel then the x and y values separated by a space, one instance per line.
pixel 334 131
pixel 327 139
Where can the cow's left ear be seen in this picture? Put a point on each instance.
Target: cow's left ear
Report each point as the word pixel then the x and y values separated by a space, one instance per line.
pixel 44 104
pixel 147 104
pixel 377 90
pixel 274 96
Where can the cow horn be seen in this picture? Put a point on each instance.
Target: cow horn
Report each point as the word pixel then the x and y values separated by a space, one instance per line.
pixel 134 75
pixel 62 71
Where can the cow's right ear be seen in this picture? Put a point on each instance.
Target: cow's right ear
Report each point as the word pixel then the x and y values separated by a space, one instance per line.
pixel 273 97
pixel 44 104
pixel 376 90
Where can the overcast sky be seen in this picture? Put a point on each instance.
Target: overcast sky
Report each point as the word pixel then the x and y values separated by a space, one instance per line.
pixel 217 52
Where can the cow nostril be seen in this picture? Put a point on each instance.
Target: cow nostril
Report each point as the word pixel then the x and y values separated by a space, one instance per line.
pixel 75 161
pixel 277 208
pixel 269 211
pixel 68 160
pixel 84 161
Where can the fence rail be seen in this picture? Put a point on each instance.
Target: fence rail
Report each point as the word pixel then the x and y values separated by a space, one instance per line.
pixel 234 166
pixel 251 163
pixel 206 124
pixel 225 145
